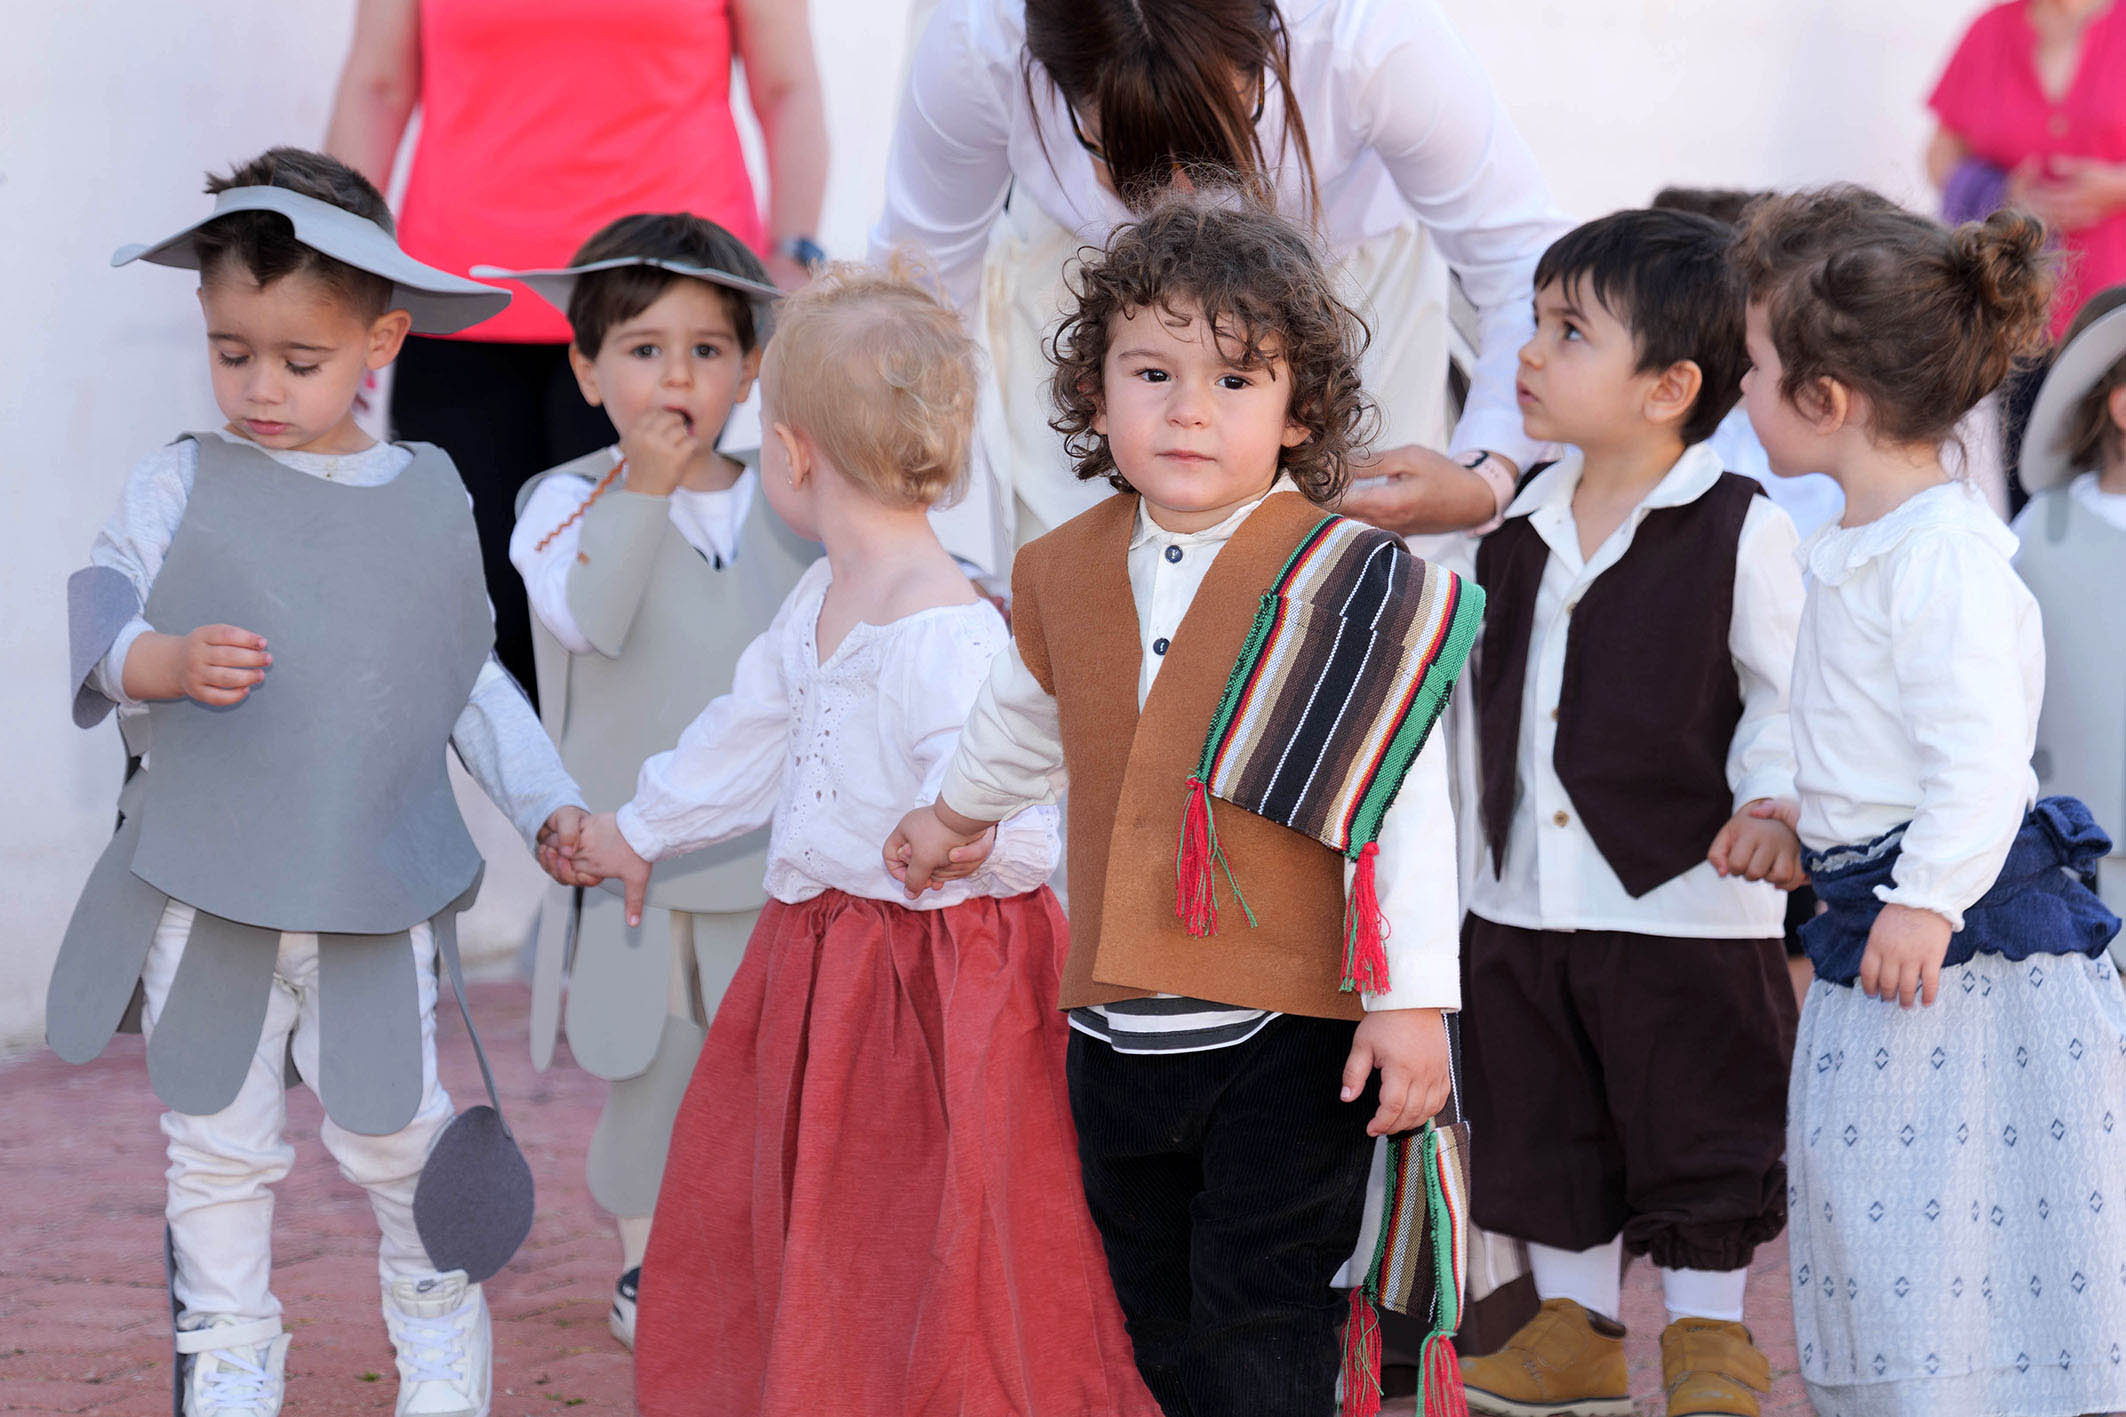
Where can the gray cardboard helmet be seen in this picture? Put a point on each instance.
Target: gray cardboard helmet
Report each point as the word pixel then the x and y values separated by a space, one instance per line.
pixel 439 302
pixel 2094 342
pixel 555 284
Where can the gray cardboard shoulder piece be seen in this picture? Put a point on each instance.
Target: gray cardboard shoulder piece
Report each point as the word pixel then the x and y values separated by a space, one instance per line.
pixel 557 919
pixel 100 602
pixel 372 604
pixel 369 1031
pixel 2077 559
pixel 555 284
pixel 105 944
pixel 628 1149
pixel 439 302
pixel 619 987
pixel 207 1034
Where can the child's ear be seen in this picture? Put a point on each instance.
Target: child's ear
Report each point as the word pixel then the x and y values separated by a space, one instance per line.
pixel 796 453
pixel 1673 394
pixel 386 337
pixel 586 375
pixel 1825 403
pixel 1296 433
pixel 2115 405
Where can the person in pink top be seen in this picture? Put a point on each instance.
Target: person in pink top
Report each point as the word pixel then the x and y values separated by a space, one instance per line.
pixel 541 121
pixel 2032 113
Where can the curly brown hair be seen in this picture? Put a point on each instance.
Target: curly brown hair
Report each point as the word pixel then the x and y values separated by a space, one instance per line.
pixel 1920 319
pixel 1255 279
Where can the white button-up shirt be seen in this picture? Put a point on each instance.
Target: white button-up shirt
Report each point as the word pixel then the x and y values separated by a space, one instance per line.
pixel 1011 756
pixel 1555 877
pixel 1917 685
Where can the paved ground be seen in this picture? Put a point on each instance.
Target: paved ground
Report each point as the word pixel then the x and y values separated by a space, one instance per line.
pixel 83 1316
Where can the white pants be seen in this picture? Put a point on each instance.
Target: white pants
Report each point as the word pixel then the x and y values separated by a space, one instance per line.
pixel 223 1167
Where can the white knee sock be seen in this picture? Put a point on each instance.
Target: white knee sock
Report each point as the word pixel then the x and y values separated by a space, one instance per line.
pixel 1590 1278
pixel 1704 1293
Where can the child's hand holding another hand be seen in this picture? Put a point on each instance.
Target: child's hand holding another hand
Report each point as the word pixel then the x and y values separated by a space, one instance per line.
pixel 602 852
pixel 1758 844
pixel 659 450
pixel 559 840
pixel 1409 1046
pixel 935 845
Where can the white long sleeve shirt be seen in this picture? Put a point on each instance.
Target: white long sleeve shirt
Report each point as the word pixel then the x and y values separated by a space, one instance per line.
pixel 1917 685
pixel 497 736
pixel 836 753
pixel 1011 755
pixel 1555 877
pixel 1400 119
pixel 711 522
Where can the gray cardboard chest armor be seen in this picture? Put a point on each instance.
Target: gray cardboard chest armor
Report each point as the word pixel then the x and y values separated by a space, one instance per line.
pixel 669 625
pixel 371 602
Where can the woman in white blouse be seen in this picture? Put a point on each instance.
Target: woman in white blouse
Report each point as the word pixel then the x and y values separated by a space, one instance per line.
pixel 1027 124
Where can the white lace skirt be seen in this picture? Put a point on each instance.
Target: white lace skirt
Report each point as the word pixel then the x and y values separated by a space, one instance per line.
pixel 1957 1182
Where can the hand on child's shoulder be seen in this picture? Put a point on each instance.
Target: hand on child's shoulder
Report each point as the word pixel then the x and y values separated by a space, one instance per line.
pixel 1759 844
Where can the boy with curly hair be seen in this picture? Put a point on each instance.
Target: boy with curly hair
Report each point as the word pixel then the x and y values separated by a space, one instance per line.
pixel 1212 632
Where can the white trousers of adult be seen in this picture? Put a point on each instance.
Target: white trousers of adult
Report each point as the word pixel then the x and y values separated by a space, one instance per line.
pixel 223 1167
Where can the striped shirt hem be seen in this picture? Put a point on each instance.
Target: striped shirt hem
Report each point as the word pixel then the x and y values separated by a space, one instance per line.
pixel 1166 1023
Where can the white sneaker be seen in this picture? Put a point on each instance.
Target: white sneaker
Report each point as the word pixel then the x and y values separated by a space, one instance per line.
pixel 621 1318
pixel 440 1332
pixel 232 1367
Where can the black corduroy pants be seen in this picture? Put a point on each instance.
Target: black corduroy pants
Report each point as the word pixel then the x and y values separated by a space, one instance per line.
pixel 1228 1186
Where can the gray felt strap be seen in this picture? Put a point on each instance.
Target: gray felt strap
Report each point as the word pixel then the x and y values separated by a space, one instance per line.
pixel 445 927
pixel 618 986
pixel 622 532
pixel 209 1027
pixel 369 1031
pixel 557 918
pixel 634 1132
pixel 101 955
pixel 99 603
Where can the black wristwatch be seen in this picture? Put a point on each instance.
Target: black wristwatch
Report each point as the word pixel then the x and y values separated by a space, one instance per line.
pixel 808 254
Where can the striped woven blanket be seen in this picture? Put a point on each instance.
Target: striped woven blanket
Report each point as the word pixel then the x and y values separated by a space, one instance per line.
pixel 1348 666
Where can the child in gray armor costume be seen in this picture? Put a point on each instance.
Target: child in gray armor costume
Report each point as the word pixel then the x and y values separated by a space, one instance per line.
pixel 649 565
pixel 2073 558
pixel 290 619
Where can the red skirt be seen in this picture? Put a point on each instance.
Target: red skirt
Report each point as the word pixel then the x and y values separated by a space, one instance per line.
pixel 872 1201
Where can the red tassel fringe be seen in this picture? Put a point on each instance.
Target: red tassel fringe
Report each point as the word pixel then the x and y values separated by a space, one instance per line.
pixel 1195 890
pixel 1440 1391
pixel 1365 931
pixel 1361 1362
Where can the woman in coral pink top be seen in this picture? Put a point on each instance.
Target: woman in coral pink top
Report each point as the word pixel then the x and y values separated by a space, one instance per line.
pixel 541 121
pixel 2032 111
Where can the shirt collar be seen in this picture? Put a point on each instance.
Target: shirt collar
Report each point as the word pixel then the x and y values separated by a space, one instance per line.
pixel 1690 478
pixel 1150 533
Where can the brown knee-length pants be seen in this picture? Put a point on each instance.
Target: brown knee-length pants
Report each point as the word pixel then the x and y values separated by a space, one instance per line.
pixel 1627 1083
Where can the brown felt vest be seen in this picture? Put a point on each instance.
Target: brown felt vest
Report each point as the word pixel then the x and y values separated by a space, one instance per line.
pixel 1650 699
pixel 1075 621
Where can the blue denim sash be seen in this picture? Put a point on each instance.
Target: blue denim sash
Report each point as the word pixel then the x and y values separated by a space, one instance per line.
pixel 2042 903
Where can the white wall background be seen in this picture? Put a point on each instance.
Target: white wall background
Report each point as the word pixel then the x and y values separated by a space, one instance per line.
pixel 110 110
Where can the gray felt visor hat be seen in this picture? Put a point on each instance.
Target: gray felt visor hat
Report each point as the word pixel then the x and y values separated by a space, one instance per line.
pixel 2081 362
pixel 439 302
pixel 555 284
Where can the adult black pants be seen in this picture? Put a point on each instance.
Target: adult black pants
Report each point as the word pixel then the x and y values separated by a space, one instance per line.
pixel 504 412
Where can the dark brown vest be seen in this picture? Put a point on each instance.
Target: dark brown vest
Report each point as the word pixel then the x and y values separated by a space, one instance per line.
pixel 1650 699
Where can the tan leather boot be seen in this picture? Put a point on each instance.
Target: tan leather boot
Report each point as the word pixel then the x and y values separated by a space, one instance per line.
pixel 1712 1369
pixel 1565 1362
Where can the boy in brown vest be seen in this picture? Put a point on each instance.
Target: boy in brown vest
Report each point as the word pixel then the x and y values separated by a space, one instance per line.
pixel 1221 1069
pixel 1629 1013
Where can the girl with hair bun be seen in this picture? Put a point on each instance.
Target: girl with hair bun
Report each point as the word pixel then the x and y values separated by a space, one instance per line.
pixel 1956 1246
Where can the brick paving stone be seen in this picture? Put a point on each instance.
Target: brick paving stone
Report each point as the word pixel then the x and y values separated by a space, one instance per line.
pixel 82 1296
